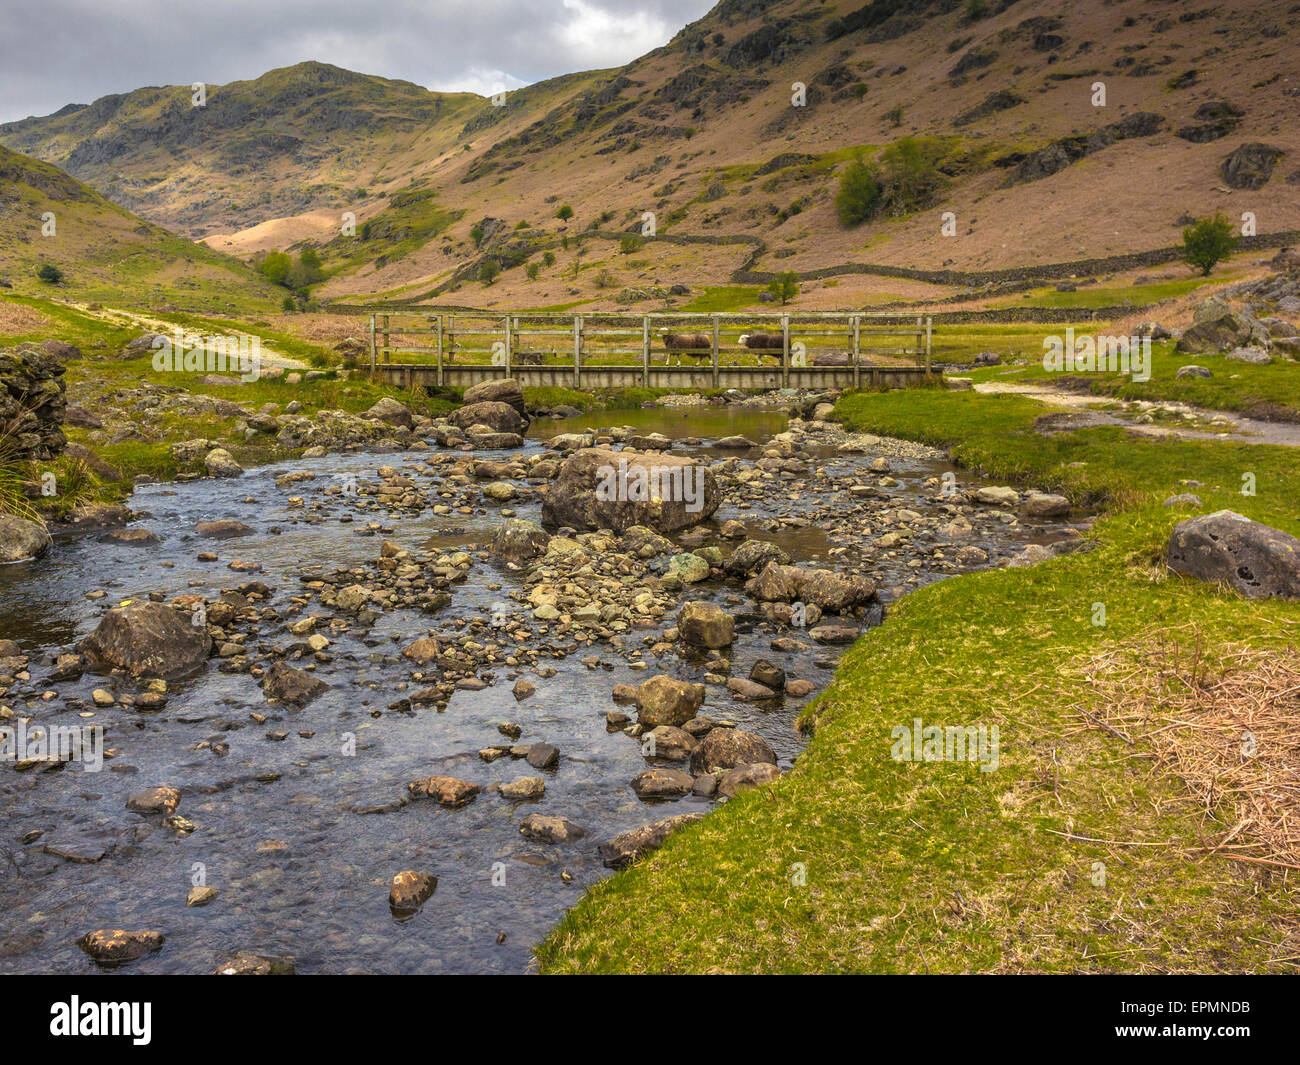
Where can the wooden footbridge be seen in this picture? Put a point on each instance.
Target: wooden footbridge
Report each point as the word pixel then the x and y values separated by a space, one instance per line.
pixel 813 350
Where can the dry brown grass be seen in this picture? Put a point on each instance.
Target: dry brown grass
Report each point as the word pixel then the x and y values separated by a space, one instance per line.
pixel 1227 725
pixel 15 319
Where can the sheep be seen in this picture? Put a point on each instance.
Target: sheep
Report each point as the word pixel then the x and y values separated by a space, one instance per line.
pixel 686 344
pixel 768 345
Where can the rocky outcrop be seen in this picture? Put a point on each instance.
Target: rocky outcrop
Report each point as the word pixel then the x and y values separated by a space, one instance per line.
pixel 499 417
pixel 624 849
pixel 500 390
pixel 598 488
pixel 147 640
pixel 1256 560
pixel 1217 327
pixel 21 539
pixel 32 402
pixel 1250 166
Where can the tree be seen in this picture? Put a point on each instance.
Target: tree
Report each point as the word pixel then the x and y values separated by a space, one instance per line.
pixel 1208 241
pixel 564 213
pixel 911 171
pixel 275 267
pixel 860 194
pixel 488 270
pixel 50 274
pixel 532 270
pixel 785 287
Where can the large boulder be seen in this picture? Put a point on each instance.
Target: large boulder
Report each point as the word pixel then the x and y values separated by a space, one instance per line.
pixel 726 748
pixel 517 540
pixel 20 538
pixel 1217 327
pixel 391 411
pixel 664 700
pixel 1250 166
pixel 705 625
pixel 751 556
pixel 1255 559
pixel 501 390
pixel 829 591
pixel 148 640
pixel 499 417
pixel 598 488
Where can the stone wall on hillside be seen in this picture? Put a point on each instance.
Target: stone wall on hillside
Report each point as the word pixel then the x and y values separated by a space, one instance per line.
pixel 32 402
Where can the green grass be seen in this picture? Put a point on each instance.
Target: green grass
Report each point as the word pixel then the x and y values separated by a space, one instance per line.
pixel 722 299
pixel 1271 391
pixel 939 867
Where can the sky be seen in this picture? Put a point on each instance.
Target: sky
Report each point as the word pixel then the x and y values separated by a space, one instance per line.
pixel 57 52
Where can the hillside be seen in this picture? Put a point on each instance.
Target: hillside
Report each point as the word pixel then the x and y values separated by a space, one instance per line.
pixel 702 133
pixel 106 253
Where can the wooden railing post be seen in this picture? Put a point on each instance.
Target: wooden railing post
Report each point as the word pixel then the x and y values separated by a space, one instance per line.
pixel 507 345
pixel 929 326
pixel 438 354
pixel 645 351
pixel 785 351
pixel 715 351
pixel 387 357
pixel 577 352
pixel 857 352
pixel 920 341
pixel 372 348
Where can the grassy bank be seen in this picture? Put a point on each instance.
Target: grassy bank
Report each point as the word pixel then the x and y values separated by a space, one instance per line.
pixel 1081 852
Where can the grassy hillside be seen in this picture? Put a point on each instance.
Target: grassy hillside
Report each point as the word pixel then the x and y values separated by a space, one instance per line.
pixel 106 253
pixel 736 136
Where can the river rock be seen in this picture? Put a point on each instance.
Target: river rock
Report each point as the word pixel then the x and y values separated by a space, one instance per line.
pixel 1185 372
pixel 21 539
pixel 1256 356
pixel 160 800
pixel 447 791
pixel 744 777
pixel 220 463
pixel 390 411
pixel 687 568
pixel 281 681
pixel 822 588
pixel 726 748
pixel 223 530
pixel 410 890
pixel 670 743
pixel 499 417
pixel 749 690
pixel 752 556
pixel 598 488
pixel 628 847
pixel 659 784
pixel 498 390
pixel 768 674
pixel 147 640
pixel 1045 505
pixel 1256 560
pixel 517 540
pixel 247 963
pixel 543 829
pixel 705 625
pixel 664 700
pixel 998 496
pixel 525 789
pixel 115 946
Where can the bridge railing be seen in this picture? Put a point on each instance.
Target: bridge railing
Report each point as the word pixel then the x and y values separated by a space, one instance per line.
pixel 862 342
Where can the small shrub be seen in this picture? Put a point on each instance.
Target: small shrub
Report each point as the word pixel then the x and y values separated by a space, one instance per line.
pixel 1208 241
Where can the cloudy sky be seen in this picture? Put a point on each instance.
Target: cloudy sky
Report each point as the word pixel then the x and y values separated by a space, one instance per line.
pixel 56 52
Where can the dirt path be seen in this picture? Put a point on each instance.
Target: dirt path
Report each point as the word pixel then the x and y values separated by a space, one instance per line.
pixel 118 316
pixel 1201 424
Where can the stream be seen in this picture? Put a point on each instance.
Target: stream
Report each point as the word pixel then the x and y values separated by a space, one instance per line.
pixel 300 837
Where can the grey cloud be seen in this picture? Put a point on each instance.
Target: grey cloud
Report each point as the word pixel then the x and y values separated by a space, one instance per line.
pixel 57 52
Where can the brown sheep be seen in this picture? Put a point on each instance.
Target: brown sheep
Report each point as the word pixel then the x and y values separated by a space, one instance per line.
pixel 768 345
pixel 686 344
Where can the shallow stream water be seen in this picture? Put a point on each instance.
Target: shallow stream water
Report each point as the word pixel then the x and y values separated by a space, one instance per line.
pixel 300 871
